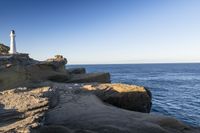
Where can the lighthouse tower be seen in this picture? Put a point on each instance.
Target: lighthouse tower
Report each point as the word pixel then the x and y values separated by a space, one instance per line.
pixel 12 43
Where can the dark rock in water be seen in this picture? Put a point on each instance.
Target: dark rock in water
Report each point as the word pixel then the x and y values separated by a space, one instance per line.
pixel 4 49
pixel 90 77
pixel 131 97
pixel 76 70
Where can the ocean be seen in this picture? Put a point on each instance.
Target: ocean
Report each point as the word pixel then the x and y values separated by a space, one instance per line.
pixel 175 87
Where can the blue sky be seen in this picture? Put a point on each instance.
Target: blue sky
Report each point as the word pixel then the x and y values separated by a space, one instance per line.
pixel 104 31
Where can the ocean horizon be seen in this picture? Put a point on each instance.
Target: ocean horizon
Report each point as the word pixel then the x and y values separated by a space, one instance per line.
pixel 145 63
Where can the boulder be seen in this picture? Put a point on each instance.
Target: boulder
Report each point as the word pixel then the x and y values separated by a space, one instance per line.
pixel 4 49
pixel 131 97
pixel 76 70
pixel 90 77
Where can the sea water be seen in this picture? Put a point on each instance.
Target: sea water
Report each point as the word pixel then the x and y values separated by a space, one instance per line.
pixel 175 87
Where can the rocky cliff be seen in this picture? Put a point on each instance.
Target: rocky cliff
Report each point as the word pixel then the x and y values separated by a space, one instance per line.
pixel 44 97
pixel 20 69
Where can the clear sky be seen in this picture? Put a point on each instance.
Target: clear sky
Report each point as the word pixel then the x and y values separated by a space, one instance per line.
pixel 104 31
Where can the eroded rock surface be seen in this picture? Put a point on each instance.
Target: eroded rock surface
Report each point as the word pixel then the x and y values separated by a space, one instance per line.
pixel 70 108
pixel 82 111
pixel 90 78
pixel 131 97
pixel 19 69
pixel 22 109
pixel 76 70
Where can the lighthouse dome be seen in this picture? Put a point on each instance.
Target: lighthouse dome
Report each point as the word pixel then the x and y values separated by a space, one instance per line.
pixel 12 32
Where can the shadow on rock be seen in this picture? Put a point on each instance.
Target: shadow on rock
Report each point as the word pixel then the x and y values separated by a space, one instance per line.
pixel 9 116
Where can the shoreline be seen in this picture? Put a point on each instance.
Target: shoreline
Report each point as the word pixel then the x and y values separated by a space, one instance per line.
pixel 32 90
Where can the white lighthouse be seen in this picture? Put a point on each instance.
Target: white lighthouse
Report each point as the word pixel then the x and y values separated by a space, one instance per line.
pixel 12 43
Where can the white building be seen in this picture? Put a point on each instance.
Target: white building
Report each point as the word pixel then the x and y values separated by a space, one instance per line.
pixel 12 43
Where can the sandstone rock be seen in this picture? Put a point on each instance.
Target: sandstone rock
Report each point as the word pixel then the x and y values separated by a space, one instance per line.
pixel 45 71
pixel 19 69
pixel 12 77
pixel 58 59
pixel 76 110
pixel 82 111
pixel 76 70
pixel 4 49
pixel 53 129
pixel 90 77
pixel 59 78
pixel 22 108
pixel 131 97
pixel 15 59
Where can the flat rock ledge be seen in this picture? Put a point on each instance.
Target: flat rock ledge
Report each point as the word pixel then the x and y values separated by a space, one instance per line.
pixel 81 108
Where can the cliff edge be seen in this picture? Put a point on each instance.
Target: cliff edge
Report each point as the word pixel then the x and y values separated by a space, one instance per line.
pixel 45 97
